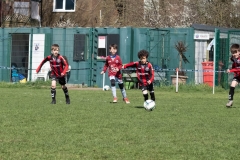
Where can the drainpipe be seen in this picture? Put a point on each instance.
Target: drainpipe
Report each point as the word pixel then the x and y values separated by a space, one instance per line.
pixel 31 44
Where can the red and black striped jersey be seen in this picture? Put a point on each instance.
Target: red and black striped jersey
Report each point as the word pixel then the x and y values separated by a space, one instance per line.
pixel 236 67
pixel 58 65
pixel 145 72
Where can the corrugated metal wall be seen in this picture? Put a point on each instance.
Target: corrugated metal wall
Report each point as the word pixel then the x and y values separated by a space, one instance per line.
pixel 223 43
pixel 79 46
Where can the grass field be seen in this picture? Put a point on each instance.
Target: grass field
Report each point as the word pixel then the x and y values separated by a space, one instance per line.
pixel 192 124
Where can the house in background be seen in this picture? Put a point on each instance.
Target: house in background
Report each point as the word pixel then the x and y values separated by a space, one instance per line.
pixel 55 13
pixel 15 13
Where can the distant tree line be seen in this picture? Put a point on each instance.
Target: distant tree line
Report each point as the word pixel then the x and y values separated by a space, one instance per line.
pixel 145 13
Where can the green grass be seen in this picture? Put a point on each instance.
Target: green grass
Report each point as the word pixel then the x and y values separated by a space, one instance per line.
pixel 192 124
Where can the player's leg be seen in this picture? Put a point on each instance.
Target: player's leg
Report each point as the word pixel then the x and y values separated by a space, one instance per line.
pixel 123 91
pixel 53 90
pixel 234 83
pixel 151 91
pixel 68 76
pixel 62 82
pixel 145 92
pixel 113 86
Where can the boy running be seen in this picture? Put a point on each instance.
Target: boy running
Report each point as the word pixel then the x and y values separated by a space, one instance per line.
pixel 145 74
pixel 59 67
pixel 114 65
pixel 235 50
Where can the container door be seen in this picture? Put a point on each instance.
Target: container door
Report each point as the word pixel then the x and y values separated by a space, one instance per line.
pixel 19 57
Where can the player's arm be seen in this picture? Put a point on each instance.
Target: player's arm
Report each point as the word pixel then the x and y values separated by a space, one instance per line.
pixel 228 70
pixel 151 72
pixel 131 64
pixel 42 63
pixel 105 66
pixel 234 70
pixel 65 66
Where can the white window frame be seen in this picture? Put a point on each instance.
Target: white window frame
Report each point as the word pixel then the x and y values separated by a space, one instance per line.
pixel 63 9
pixel 102 46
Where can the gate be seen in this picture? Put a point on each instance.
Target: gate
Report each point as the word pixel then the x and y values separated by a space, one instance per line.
pixel 93 47
pixel 19 56
pixel 158 45
pixel 223 54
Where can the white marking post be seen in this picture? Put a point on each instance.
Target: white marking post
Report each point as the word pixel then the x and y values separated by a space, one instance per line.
pixel 177 81
pixel 214 59
pixel 103 81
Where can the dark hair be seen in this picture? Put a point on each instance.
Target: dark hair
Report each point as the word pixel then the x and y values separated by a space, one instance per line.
pixel 113 46
pixel 143 53
pixel 234 48
pixel 54 46
pixel 65 59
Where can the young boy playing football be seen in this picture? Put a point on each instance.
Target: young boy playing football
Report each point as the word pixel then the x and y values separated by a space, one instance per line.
pixel 145 74
pixel 114 65
pixel 235 58
pixel 59 67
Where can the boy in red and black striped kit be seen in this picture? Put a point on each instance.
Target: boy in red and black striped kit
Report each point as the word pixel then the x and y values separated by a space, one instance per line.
pixel 235 58
pixel 59 66
pixel 145 74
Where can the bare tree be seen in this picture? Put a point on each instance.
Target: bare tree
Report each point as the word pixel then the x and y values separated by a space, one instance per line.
pixel 109 16
pixel 142 13
pixel 154 13
pixel 212 12
pixel 181 13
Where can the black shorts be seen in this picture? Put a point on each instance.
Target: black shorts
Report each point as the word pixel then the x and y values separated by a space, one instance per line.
pixel 61 80
pixel 236 79
pixel 148 87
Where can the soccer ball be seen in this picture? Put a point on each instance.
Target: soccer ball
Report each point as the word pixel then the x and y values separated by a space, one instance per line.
pixel 149 105
pixel 106 88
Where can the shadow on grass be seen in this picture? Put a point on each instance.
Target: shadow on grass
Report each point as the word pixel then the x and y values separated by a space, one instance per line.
pixel 230 107
pixel 139 107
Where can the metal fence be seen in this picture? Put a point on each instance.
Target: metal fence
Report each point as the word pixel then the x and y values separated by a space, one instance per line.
pixel 22 50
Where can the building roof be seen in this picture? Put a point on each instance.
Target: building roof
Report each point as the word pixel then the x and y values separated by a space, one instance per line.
pixel 203 27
